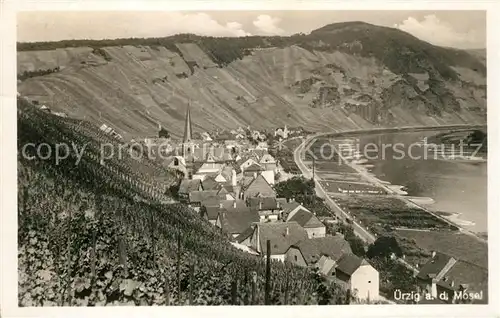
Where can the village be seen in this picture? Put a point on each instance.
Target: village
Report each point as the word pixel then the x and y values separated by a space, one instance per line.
pixel 229 178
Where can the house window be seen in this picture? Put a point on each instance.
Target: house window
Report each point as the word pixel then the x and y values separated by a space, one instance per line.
pixel 176 161
pixel 295 256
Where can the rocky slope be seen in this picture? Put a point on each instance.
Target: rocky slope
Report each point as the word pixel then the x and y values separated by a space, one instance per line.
pixel 342 76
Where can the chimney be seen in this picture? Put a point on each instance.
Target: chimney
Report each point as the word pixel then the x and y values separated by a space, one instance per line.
pixel 221 205
pixel 255 174
pixel 278 204
pixel 433 254
pixel 260 205
pixel 234 204
pixel 434 288
pixel 452 283
pixel 287 231
pixel 233 178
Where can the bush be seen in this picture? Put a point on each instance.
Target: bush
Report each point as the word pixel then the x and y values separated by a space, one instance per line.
pixel 384 246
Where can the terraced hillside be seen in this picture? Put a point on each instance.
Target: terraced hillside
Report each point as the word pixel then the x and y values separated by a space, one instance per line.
pixel 343 76
pixel 97 235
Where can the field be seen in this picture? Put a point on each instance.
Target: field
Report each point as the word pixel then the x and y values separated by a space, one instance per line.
pixel 457 244
pixel 285 156
pixel 333 166
pixel 383 214
pixel 332 186
pixel 417 232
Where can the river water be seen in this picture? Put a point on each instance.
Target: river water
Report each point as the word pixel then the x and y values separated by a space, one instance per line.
pixel 458 187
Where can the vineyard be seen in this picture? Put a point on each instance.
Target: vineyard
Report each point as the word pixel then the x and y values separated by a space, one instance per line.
pixel 386 216
pixel 92 234
pixel 386 213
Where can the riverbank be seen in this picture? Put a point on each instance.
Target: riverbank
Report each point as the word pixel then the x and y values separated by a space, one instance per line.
pixel 419 233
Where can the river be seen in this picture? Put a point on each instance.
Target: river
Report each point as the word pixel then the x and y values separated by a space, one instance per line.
pixel 458 187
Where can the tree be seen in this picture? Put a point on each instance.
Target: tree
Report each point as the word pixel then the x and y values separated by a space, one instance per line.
pixel 163 133
pixel 296 186
pixel 384 246
pixel 357 245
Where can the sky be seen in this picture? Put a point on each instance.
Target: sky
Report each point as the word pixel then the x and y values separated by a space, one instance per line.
pixel 460 29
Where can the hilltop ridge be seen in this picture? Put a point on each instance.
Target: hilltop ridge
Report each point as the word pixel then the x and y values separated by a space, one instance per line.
pixel 343 76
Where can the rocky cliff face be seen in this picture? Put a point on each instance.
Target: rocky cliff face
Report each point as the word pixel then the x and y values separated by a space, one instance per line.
pixel 343 76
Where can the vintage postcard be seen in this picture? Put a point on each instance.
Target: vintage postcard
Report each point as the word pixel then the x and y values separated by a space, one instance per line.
pixel 178 158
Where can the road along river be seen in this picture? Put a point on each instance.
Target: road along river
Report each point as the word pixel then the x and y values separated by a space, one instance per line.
pixel 368 178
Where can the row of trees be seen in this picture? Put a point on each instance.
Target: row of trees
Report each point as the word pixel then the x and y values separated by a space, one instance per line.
pixel 30 74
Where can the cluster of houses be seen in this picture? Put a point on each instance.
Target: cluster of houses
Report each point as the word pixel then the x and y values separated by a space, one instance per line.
pixel 110 131
pixel 450 280
pixel 232 187
pixel 42 107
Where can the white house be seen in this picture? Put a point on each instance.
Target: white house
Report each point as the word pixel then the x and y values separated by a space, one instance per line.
pixel 262 145
pixel 359 276
pixel 247 163
pixel 205 136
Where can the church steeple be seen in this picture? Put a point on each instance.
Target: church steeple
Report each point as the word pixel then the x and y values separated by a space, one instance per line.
pixel 187 140
pixel 187 125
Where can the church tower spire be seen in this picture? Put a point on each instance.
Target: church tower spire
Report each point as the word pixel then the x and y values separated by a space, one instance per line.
pixel 187 125
pixel 187 140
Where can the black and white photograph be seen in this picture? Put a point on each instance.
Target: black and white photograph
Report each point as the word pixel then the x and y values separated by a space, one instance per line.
pixel 249 158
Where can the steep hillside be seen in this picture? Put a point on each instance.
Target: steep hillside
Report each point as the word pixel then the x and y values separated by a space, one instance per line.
pixel 342 76
pixel 90 234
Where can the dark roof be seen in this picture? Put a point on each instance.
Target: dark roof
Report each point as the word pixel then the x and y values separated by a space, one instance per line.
pixel 306 219
pixel 201 196
pixel 332 246
pixel 434 266
pixel 349 263
pixel 195 166
pixel 236 167
pixel 188 186
pixel 245 182
pixel 211 201
pixel 222 191
pixel 237 221
pixel 245 234
pixel 212 212
pixel 466 275
pixel 254 168
pixel 259 186
pixel 234 205
pixel 289 207
pixel 276 232
pixel 210 184
pixel 227 204
pixel 268 203
pixel 229 187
